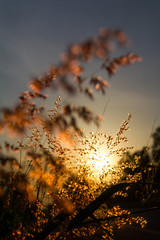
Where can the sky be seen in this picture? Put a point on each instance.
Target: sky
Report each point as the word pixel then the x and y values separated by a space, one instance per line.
pixel 33 34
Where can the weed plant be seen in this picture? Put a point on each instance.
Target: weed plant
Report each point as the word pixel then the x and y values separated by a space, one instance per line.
pixel 56 182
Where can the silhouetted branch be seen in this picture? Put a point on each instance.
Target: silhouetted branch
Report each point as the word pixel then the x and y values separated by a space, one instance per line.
pixel 94 205
pixel 99 220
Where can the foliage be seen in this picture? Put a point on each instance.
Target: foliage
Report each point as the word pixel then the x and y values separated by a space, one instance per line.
pixel 52 185
pixel 148 168
pixel 156 146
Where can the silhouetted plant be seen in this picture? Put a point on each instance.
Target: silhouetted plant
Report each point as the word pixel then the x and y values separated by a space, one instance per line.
pixel 156 146
pixel 149 168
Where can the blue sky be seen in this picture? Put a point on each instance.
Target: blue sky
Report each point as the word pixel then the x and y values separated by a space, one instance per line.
pixel 35 32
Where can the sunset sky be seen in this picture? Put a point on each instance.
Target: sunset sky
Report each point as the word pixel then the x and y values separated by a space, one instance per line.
pixel 33 33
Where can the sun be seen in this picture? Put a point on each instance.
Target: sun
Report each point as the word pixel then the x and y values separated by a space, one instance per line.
pixel 98 162
pixel 101 165
pixel 93 157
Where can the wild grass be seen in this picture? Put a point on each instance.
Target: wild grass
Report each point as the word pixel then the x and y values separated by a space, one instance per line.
pixel 56 182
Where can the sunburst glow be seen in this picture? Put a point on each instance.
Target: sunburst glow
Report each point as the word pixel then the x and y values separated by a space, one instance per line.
pixel 98 162
pixel 95 157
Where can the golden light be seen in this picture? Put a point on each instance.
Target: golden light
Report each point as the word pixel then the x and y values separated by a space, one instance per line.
pixel 101 165
pixel 93 157
pixel 98 162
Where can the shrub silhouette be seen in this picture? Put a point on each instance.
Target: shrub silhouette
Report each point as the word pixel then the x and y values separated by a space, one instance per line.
pixel 156 146
pixel 148 168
